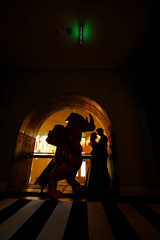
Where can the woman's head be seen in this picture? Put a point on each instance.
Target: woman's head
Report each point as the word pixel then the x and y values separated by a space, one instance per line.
pixel 93 136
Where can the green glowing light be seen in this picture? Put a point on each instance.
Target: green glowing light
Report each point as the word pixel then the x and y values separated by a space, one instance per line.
pixel 75 30
pixel 86 31
pixel 81 32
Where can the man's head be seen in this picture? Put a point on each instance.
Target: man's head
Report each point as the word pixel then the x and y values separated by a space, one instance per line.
pixel 100 131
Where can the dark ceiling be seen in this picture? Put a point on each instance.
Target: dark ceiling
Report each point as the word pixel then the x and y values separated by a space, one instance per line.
pixel 34 36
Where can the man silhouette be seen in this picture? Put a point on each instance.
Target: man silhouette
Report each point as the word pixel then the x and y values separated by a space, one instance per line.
pixel 102 142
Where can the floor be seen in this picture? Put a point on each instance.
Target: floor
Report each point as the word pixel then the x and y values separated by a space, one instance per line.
pixel 33 216
pixel 62 186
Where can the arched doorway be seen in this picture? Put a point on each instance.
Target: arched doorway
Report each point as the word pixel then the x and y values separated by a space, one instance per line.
pixel 43 152
pixel 21 168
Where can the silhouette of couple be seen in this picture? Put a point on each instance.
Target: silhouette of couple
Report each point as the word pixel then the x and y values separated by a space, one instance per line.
pixel 99 181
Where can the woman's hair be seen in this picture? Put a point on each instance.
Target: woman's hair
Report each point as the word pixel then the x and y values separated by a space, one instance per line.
pixel 93 136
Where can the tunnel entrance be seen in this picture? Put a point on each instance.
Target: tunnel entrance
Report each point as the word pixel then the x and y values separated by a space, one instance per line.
pixel 37 124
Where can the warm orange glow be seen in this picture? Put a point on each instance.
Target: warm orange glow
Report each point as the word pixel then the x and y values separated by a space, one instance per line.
pixel 38 165
pixel 42 146
pixel 85 143
pixel 42 119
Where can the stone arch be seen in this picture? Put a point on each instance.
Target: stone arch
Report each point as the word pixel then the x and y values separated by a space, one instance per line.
pixel 31 124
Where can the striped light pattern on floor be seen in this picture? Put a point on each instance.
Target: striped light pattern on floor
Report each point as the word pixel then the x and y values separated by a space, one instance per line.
pixel 60 220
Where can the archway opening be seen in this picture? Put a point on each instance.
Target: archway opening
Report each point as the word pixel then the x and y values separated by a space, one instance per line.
pixel 39 121
pixel 43 150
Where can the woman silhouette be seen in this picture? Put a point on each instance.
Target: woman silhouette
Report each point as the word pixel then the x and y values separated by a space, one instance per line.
pixel 99 182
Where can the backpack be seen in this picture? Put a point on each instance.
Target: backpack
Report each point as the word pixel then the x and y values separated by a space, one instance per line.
pixel 55 135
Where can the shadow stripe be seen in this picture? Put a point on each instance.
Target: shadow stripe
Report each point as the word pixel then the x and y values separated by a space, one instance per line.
pixel 77 225
pixel 143 228
pixel 1 198
pixel 155 207
pixel 32 227
pixel 7 202
pixel 120 226
pixel 98 225
pixel 148 213
pixel 12 209
pixel 12 224
pixel 56 224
